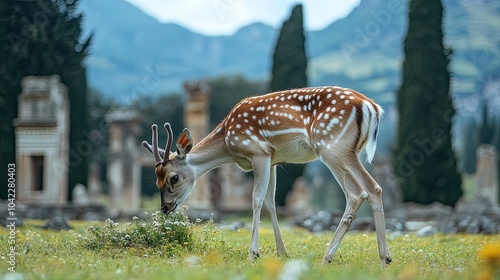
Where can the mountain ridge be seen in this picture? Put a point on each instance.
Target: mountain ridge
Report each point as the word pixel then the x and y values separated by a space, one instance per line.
pixel 134 54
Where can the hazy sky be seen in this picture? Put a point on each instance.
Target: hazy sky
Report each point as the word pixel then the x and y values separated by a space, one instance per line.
pixel 216 17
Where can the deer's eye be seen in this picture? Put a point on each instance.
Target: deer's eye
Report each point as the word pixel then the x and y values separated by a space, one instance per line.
pixel 174 179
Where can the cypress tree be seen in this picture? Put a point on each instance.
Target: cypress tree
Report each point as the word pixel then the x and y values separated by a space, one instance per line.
pixel 424 161
pixel 43 38
pixel 289 71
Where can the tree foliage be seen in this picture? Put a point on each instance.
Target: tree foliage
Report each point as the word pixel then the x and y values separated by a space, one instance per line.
pixel 424 160
pixel 289 59
pixel 43 38
pixel 289 71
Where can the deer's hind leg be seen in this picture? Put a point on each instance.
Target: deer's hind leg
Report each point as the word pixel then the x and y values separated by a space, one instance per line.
pixel 354 198
pixel 374 197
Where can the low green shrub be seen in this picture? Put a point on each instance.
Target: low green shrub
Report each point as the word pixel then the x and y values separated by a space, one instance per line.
pixel 166 231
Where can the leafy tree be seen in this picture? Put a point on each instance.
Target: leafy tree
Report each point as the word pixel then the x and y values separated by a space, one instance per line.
pixel 43 38
pixel 289 71
pixel 424 161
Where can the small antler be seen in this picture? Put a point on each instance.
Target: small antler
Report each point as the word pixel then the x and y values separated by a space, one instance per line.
pixel 156 154
pixel 161 156
pixel 170 138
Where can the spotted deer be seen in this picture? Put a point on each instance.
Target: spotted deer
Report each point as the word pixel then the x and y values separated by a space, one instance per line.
pixel 332 124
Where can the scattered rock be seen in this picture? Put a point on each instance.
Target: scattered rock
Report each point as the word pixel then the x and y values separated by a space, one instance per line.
pixel 472 217
pixel 415 225
pixel 363 224
pixel 478 217
pixel 319 221
pixel 426 231
pixel 394 225
pixel 417 212
pixel 57 223
pixel 395 234
pixel 17 222
pixel 234 226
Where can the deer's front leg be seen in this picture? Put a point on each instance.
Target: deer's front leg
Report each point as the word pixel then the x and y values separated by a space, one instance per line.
pixel 270 204
pixel 262 173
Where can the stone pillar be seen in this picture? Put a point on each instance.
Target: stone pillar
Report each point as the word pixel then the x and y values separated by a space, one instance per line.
pixel 487 177
pixel 196 119
pixel 42 140
pixel 236 189
pixel 383 173
pixel 298 200
pixel 124 162
pixel 94 182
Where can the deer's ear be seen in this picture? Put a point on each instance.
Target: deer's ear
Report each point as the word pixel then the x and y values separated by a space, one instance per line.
pixel 184 143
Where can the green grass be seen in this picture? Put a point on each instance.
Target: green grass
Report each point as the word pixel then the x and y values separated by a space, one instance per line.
pixel 216 254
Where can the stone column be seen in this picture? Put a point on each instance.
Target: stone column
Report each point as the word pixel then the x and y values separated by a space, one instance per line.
pixel 236 189
pixel 487 177
pixel 383 173
pixel 124 162
pixel 94 182
pixel 196 119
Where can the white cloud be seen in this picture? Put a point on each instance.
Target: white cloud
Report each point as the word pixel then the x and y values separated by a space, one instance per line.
pixel 216 17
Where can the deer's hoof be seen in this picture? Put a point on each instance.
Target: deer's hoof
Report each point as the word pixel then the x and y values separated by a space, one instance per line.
pixel 253 255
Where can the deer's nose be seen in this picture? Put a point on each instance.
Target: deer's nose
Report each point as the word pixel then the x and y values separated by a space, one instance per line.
pixel 168 207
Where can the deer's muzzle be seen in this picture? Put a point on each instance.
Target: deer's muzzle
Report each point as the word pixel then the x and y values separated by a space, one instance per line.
pixel 168 207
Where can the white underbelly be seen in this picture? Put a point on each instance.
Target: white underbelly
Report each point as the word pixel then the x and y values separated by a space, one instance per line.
pixel 298 150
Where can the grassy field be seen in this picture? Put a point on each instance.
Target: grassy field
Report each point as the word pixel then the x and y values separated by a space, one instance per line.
pixel 222 254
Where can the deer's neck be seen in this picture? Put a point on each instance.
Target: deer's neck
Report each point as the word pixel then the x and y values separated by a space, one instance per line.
pixel 209 153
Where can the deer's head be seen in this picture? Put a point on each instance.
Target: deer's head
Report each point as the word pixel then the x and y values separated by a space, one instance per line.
pixel 174 178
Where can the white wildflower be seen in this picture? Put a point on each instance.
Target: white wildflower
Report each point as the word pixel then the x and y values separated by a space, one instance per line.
pixel 293 269
pixel 192 260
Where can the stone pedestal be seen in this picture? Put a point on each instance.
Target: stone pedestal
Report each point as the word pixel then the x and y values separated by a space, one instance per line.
pixel 298 200
pixel 383 173
pixel 42 140
pixel 94 182
pixel 487 176
pixel 196 119
pixel 124 162
pixel 236 190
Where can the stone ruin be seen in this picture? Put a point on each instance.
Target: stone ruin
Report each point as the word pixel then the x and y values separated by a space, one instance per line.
pixel 223 189
pixel 42 154
pixel 487 174
pixel 124 161
pixel 196 119
pixel 42 140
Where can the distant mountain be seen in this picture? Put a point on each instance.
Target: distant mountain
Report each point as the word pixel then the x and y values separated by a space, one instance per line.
pixel 133 54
